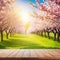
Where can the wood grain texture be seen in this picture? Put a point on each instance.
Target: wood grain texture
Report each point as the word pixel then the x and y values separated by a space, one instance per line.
pixel 30 53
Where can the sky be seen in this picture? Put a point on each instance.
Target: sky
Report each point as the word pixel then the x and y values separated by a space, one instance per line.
pixel 24 10
pixel 25 3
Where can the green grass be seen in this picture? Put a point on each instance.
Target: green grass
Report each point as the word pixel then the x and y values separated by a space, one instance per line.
pixel 29 41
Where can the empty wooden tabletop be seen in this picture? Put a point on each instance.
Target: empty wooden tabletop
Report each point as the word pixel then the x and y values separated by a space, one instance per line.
pixel 30 53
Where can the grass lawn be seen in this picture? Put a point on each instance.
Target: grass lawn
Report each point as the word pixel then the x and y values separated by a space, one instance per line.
pixel 28 41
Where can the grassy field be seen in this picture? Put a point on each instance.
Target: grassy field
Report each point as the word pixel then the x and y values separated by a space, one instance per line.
pixel 28 41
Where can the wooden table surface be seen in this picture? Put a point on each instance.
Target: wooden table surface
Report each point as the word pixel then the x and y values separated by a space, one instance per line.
pixel 30 53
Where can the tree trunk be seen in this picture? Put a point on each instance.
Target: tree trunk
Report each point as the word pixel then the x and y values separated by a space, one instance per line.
pixel 11 34
pixel 54 36
pixel 7 35
pixel 58 36
pixel 41 33
pixel 48 34
pixel 1 36
pixel 37 33
pixel 45 33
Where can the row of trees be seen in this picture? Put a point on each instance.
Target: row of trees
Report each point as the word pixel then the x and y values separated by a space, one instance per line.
pixel 47 18
pixel 3 16
pixel 9 20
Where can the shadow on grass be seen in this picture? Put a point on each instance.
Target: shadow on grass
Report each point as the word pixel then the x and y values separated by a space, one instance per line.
pixel 20 44
pixel 16 42
pixel 51 38
pixel 2 47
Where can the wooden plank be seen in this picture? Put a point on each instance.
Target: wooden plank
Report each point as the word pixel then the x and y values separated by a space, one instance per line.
pixel 43 54
pixel 20 53
pixel 57 51
pixel 54 54
pixel 26 53
pixel 31 53
pixel 13 54
pixel 5 53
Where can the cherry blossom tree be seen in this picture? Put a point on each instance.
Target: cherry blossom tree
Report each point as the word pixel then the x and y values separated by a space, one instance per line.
pixel 51 10
pixel 4 6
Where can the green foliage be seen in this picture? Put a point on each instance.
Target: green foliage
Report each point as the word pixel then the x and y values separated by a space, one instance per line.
pixel 28 41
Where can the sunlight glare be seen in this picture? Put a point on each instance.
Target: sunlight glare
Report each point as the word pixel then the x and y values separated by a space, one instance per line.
pixel 25 17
